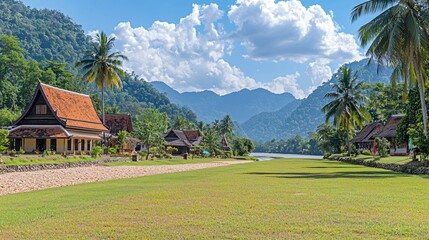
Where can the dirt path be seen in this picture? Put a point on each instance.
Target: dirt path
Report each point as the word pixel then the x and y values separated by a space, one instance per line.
pixel 29 181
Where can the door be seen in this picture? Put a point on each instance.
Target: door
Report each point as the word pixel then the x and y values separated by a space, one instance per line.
pixel 40 145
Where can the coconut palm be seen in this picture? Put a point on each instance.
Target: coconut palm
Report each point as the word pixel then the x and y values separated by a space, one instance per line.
pixel 346 108
pixel 226 125
pixel 399 37
pixel 102 67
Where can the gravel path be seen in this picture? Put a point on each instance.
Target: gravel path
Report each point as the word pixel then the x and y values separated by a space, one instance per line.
pixel 29 181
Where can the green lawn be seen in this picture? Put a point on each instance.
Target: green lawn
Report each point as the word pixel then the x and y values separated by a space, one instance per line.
pixel 167 162
pixel 291 198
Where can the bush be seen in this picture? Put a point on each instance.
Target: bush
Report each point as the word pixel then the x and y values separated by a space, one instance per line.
pixel 46 153
pixel 383 146
pixel 326 155
pixel 21 151
pixel 96 151
pixel 113 150
pixel 366 152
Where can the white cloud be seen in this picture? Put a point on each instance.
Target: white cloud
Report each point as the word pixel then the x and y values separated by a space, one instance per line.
pixel 181 56
pixel 286 83
pixel 319 71
pixel 286 30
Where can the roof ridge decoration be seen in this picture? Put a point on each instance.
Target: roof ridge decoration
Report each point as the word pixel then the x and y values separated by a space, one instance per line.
pixel 64 90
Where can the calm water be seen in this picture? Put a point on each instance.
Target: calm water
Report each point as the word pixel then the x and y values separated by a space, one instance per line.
pixel 269 156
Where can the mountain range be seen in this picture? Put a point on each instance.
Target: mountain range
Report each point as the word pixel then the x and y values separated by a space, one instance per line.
pixel 241 105
pixel 264 115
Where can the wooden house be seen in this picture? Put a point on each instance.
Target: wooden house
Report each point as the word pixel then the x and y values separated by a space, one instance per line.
pixel 389 132
pixel 184 141
pixel 364 139
pixel 224 144
pixel 58 120
pixel 121 122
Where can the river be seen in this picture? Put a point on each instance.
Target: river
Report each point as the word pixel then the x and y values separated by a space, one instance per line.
pixel 269 156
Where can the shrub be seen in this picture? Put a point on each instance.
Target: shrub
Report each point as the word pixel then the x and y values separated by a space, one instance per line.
pixel 46 153
pixel 12 153
pixel 383 146
pixel 96 151
pixel 113 150
pixel 21 151
pixel 326 155
pixel 366 152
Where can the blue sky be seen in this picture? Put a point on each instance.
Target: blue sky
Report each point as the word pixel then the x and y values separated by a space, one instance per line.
pixel 225 46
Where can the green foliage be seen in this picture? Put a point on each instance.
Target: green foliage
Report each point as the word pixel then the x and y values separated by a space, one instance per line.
pixel 96 151
pixel 150 127
pixel 383 146
pixel 211 140
pixel 181 123
pixel 330 139
pixel 171 149
pixel 384 100
pixel 295 145
pixel 243 146
pixel 122 137
pixel 4 141
pixel 48 34
pixel 112 150
pixel 366 152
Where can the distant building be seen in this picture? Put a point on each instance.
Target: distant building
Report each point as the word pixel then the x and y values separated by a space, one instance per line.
pixel 58 120
pixel 184 141
pixel 365 139
pixel 389 132
pixel 120 122
pixel 224 144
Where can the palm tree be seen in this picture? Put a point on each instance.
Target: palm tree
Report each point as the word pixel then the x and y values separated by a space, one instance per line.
pixel 347 104
pixel 226 125
pixel 399 37
pixel 102 67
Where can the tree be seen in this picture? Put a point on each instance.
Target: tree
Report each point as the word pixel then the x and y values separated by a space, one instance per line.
pixel 226 126
pixel 181 123
pixel 211 140
pixel 122 138
pixel 150 127
pixel 398 36
pixel 243 146
pixel 7 117
pixel 329 139
pixel 347 104
pixel 102 67
pixel 384 100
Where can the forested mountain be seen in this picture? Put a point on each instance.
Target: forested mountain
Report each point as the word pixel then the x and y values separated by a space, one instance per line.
pixel 307 116
pixel 44 34
pixel 45 45
pixel 239 105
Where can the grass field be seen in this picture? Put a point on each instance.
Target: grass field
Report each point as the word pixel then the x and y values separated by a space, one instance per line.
pixel 291 198
pixel 167 162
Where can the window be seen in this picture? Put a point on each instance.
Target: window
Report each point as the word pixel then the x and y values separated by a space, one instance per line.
pixel 82 145
pixel 16 144
pixel 41 109
pixel 88 148
pixel 54 145
pixel 69 143
pixel 40 145
pixel 76 145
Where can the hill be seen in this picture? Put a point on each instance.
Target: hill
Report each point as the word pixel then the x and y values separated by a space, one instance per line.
pixel 239 105
pixel 307 116
pixel 44 34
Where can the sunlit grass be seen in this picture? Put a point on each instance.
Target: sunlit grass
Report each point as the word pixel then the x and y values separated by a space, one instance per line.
pixel 283 199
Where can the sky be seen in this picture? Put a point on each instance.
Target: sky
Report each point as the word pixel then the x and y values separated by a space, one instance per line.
pixel 225 46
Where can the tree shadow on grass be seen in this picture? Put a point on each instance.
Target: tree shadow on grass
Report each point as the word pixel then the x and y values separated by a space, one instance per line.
pixel 331 175
pixel 338 167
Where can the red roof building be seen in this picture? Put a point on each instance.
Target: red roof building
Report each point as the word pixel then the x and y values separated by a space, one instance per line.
pixel 58 120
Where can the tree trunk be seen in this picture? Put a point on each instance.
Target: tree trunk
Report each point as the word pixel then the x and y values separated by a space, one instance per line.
pixel 102 103
pixel 349 150
pixel 421 86
pixel 147 152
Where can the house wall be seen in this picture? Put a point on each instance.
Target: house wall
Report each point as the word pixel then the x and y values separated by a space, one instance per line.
pixel 29 144
pixel 31 118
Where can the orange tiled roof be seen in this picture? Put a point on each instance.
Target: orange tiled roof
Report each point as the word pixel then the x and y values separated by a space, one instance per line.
pixel 76 109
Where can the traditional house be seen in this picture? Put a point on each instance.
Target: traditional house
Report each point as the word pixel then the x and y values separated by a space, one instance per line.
pixel 389 132
pixel 224 144
pixel 184 141
pixel 58 120
pixel 364 139
pixel 121 122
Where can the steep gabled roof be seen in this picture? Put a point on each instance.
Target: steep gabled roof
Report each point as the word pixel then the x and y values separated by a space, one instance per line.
pixel 186 138
pixel 118 122
pixel 73 110
pixel 389 130
pixel 367 132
